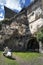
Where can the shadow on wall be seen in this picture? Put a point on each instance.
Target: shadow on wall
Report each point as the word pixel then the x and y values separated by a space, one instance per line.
pixel 33 45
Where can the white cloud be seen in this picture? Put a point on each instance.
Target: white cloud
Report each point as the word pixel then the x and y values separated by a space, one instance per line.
pixel 1 16
pixel 2 7
pixel 14 4
pixel 3 1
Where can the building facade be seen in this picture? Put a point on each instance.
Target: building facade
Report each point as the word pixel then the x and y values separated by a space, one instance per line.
pixel 29 20
pixel 35 16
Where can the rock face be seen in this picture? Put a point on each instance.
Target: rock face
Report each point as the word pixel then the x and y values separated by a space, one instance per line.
pixel 16 32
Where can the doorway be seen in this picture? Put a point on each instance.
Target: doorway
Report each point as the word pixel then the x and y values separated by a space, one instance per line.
pixel 33 45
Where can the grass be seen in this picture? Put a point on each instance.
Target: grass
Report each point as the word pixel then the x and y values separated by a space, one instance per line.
pixel 31 57
pixel 6 61
pixel 28 55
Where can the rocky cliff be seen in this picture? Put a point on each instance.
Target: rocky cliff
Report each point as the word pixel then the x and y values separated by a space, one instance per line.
pixel 15 32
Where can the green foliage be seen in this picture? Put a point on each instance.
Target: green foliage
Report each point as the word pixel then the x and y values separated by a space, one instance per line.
pixel 39 35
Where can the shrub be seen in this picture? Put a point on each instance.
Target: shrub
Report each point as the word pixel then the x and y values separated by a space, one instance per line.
pixel 39 35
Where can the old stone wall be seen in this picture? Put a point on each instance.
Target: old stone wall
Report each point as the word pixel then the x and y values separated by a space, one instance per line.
pixel 16 32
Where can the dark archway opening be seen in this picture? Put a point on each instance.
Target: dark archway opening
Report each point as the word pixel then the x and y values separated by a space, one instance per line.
pixel 33 45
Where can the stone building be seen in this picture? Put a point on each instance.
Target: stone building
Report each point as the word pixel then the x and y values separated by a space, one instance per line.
pixel 35 16
pixel 27 22
pixel 9 13
pixel 33 13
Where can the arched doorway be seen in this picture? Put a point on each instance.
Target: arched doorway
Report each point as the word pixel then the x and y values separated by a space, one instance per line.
pixel 33 45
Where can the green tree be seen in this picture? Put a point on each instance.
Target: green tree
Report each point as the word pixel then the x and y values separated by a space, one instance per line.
pixel 39 36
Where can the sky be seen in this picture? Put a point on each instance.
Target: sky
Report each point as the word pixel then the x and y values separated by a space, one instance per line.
pixel 15 5
pixel 2 12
